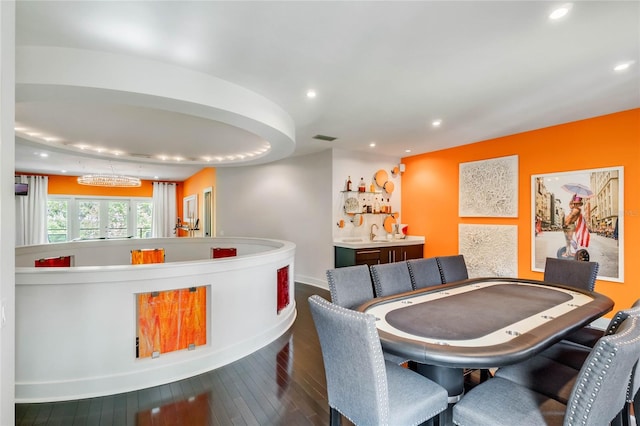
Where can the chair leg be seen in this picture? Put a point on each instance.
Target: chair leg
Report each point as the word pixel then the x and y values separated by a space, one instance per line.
pixel 618 420
pixel 335 417
pixel 626 414
pixel 636 408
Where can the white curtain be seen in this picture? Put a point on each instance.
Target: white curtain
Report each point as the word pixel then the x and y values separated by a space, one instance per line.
pixel 31 211
pixel 164 210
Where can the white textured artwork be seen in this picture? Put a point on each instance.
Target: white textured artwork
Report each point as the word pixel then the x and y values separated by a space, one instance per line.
pixel 489 250
pixel 489 188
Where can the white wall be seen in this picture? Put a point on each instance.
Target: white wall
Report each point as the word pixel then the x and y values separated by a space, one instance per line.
pixel 288 200
pixel 7 212
pixel 357 165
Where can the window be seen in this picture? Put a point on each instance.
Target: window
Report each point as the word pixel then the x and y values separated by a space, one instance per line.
pixel 82 218
pixel 57 220
pixel 143 227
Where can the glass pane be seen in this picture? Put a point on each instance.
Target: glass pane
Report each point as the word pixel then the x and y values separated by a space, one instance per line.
pixel 143 220
pixel 118 219
pixel 89 219
pixel 57 220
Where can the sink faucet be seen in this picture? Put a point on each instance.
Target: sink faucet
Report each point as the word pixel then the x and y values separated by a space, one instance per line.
pixel 372 236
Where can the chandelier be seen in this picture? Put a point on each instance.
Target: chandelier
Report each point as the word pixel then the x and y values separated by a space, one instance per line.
pixel 109 180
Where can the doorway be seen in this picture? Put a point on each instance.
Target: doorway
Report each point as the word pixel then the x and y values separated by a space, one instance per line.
pixel 208 220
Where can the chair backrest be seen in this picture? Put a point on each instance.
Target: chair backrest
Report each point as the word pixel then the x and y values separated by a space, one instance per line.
pixel 353 362
pixel 574 273
pixel 391 278
pixel 452 268
pixel 634 384
pixel 350 286
pixel 424 272
pixel 597 396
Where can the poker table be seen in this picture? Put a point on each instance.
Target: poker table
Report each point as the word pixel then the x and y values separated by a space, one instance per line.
pixel 480 323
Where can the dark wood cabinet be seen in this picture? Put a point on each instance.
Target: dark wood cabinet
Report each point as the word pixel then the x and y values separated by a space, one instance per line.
pixel 375 255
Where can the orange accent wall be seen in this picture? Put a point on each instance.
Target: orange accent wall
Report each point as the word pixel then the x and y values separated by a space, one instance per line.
pixel 430 187
pixel 196 184
pixel 68 185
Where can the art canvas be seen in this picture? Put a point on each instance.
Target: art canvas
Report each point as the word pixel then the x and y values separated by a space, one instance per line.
pixel 489 250
pixel 579 215
pixel 489 188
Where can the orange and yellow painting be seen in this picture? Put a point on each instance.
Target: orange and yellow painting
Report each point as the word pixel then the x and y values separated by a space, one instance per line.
pixel 171 320
pixel 147 256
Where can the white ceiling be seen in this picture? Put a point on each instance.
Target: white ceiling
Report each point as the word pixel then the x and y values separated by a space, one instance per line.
pixel 382 72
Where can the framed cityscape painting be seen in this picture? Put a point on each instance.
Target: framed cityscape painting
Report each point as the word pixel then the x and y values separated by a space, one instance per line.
pixel 579 215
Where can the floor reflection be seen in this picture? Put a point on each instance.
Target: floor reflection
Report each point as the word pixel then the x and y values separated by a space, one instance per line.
pixel 284 363
pixel 192 411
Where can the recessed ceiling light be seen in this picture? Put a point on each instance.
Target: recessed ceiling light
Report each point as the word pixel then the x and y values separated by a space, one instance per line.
pixel 560 12
pixel 311 94
pixel 623 66
pixel 63 171
pixel 407 150
pixel 372 144
pixel 44 155
pixel 436 123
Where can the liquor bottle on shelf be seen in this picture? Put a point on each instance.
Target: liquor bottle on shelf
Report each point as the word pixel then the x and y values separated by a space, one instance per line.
pixel 362 187
pixel 376 206
pixel 349 184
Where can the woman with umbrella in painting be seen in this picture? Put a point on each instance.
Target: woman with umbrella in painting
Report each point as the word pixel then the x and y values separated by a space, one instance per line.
pixel 576 231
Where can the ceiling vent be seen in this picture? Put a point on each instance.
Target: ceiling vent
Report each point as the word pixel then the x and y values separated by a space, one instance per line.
pixel 324 138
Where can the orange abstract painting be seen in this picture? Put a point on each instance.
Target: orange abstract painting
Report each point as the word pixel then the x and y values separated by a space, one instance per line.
pixel 171 320
pixel 147 256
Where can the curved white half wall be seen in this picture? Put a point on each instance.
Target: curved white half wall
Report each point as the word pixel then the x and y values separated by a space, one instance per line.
pixel 76 327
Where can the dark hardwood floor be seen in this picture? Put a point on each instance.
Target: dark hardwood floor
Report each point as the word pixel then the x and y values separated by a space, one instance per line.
pixel 281 384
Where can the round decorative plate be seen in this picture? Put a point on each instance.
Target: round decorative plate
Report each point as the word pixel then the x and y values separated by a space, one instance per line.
pixel 388 186
pixel 389 221
pixel 357 220
pixel 381 177
pixel 351 205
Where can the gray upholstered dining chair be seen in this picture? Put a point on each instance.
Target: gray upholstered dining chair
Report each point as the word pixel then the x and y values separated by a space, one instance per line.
pixel 350 287
pixel 424 272
pixel 574 273
pixel 598 395
pixel 578 274
pixel 361 385
pixel 452 268
pixel 391 278
pixel 572 354
pixel 555 371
